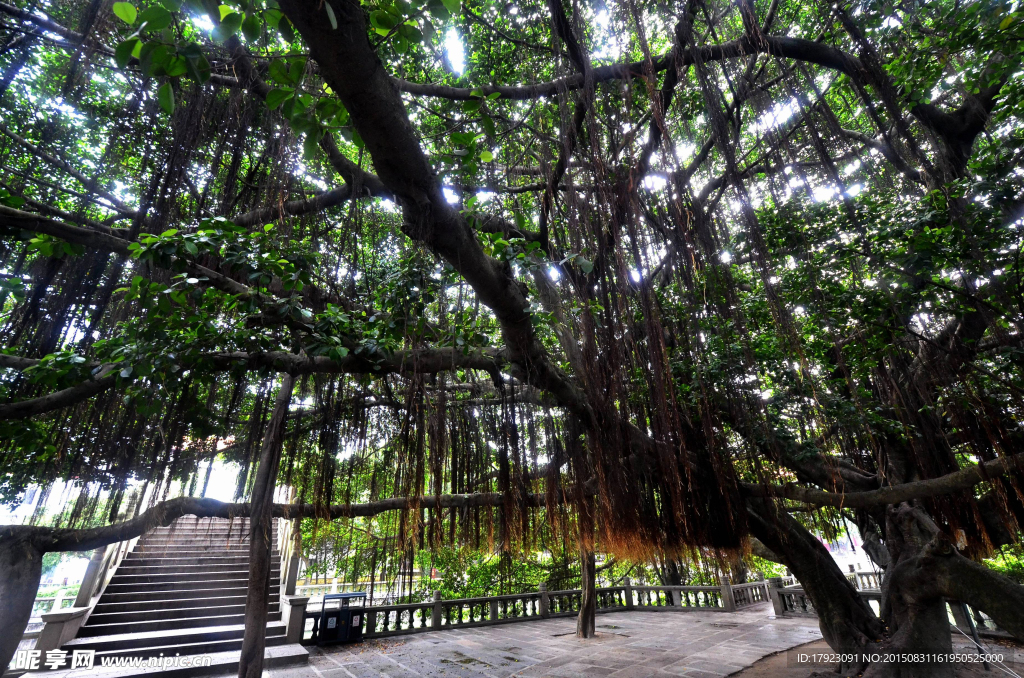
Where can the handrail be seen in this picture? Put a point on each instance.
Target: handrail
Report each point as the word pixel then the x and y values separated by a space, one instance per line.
pixel 62 625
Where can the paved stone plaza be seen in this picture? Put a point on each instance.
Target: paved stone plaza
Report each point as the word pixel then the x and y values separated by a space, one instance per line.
pixel 629 644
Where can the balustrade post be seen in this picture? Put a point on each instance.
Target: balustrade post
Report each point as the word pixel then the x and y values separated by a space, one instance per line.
pixel 629 593
pixel 545 610
pixel 91 579
pixel 435 613
pixel 292 572
pixel 494 611
pixel 676 597
pixel 774 584
pixel 294 617
pixel 60 626
pixel 728 601
pixel 371 621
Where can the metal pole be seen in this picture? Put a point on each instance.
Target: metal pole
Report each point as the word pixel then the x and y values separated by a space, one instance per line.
pixel 974 632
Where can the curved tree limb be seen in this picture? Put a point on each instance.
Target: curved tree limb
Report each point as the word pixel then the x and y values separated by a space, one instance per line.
pixel 963 479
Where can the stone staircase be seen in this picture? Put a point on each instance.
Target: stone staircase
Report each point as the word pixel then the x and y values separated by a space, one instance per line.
pixel 182 591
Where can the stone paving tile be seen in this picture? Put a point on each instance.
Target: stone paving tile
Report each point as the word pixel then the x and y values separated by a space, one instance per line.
pixel 635 644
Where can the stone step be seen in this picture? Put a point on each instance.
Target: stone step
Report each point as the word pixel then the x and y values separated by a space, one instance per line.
pixel 200 544
pixel 226 583
pixel 200 610
pixel 232 565
pixel 220 663
pixel 146 595
pixel 133 604
pixel 165 624
pixel 195 550
pixel 150 559
pixel 202 634
pixel 196 526
pixel 202 529
pixel 186 649
pixel 170 577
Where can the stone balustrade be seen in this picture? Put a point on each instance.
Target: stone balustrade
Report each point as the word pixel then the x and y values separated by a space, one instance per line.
pixel 439 614
pixel 792 601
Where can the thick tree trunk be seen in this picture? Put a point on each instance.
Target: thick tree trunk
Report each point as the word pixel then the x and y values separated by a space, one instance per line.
pixel 916 614
pixel 250 664
pixel 847 622
pixel 926 571
pixel 21 566
pixel 588 602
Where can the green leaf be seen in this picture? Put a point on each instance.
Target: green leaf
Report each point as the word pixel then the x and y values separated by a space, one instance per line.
pixel 176 66
pixel 310 146
pixel 284 27
pixel 488 125
pixel 124 51
pixel 330 15
pixel 224 10
pixel 165 95
pixel 153 56
pixel 382 22
pixel 276 97
pixel 155 18
pixel 410 33
pixel 1005 23
pixel 453 6
pixel 428 30
pixel 198 67
pixel 228 27
pixel 171 5
pixel 486 156
pixel 251 28
pixel 126 372
pixel 585 265
pixel 126 12
pixel 438 10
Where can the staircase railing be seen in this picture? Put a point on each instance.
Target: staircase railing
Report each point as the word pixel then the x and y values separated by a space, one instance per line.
pixel 61 625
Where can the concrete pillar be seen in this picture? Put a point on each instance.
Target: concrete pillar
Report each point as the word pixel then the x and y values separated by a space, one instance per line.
pixel 545 601
pixel 292 566
pixel 91 579
pixel 629 593
pixel 774 584
pixel 60 627
pixel 728 600
pixel 494 611
pixel 293 614
pixel 437 612
pixel 676 596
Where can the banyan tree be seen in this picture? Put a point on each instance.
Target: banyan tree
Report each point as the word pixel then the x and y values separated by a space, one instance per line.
pixel 654 279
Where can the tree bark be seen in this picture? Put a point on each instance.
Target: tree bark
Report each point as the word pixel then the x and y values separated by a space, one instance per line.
pixel 588 601
pixel 250 663
pixel 847 622
pixel 21 563
pixel 926 571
